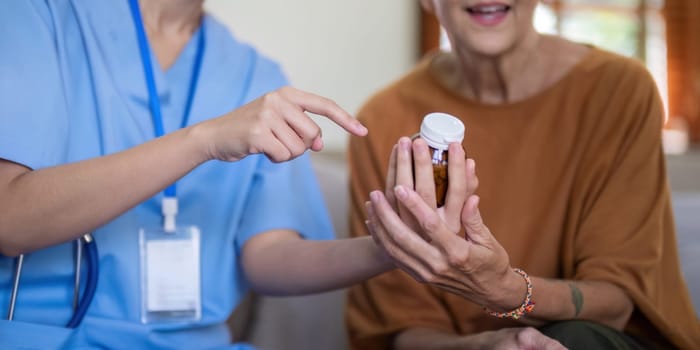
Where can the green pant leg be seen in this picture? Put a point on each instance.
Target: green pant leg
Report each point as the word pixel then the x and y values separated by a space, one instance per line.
pixel 576 334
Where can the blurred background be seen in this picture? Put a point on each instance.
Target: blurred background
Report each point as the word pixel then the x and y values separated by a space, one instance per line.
pixel 344 50
pixel 347 50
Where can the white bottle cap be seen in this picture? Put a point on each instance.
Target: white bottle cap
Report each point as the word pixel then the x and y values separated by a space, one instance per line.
pixel 440 129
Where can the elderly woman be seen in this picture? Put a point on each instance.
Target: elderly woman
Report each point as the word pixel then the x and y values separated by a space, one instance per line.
pixel 571 231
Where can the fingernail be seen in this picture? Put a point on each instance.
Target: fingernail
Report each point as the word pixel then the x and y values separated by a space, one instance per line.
pixel 460 149
pixel 368 208
pixel 419 142
pixel 361 128
pixel 374 195
pixel 405 143
pixel 400 192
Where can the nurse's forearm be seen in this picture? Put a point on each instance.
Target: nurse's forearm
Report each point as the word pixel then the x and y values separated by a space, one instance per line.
pixel 54 205
pixel 281 263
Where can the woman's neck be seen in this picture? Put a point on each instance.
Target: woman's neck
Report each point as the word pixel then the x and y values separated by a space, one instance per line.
pixel 538 62
pixel 169 26
pixel 505 78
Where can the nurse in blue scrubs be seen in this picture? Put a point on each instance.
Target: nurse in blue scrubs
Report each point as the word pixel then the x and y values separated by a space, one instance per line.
pixel 117 115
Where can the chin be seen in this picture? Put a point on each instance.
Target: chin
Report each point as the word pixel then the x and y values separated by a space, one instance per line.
pixel 490 46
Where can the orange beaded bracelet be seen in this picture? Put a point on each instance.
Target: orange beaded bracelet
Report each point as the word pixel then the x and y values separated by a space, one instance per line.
pixel 524 308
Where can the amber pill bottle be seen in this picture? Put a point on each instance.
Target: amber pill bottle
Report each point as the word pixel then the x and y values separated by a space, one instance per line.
pixel 439 130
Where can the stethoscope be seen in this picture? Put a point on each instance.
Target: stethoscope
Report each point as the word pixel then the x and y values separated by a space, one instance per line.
pixel 80 305
pixel 87 242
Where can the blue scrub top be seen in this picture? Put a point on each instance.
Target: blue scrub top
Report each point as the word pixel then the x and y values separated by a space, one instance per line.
pixel 71 88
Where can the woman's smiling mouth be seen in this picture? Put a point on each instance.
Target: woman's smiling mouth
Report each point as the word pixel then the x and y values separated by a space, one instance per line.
pixel 488 14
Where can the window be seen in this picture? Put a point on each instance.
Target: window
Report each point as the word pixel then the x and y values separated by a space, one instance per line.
pixel 661 33
pixel 633 28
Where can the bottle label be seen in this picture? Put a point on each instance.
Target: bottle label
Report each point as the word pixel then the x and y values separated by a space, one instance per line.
pixel 439 157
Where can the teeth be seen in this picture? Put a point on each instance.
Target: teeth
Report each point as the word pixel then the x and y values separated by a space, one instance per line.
pixel 489 9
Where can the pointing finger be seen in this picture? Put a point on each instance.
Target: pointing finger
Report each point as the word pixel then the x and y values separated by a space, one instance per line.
pixel 327 108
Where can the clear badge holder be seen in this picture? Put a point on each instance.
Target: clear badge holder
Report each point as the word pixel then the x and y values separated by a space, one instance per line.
pixel 170 275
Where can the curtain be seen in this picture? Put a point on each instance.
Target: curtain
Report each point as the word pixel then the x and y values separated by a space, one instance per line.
pixel 683 57
pixel 430 32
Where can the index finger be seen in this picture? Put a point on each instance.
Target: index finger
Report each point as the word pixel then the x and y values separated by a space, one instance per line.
pixel 327 108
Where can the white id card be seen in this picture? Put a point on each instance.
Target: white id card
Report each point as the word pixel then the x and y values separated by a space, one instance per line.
pixel 170 275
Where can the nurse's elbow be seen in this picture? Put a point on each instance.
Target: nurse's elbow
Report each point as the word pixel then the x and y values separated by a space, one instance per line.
pixel 9 246
pixel 11 253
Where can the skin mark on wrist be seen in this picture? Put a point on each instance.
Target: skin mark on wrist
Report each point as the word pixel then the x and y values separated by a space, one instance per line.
pixel 576 299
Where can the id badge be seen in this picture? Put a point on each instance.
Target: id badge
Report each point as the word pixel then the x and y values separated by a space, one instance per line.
pixel 170 275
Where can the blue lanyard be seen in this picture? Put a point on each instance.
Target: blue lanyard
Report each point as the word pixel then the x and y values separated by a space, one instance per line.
pixel 153 100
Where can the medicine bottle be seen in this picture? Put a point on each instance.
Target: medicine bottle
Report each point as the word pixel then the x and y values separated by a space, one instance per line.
pixel 439 130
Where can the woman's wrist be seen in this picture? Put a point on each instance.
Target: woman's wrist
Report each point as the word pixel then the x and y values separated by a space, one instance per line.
pixel 511 293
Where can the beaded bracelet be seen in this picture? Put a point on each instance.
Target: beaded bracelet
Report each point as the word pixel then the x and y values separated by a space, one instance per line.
pixel 524 308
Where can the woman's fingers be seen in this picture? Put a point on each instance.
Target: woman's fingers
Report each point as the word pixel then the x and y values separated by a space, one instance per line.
pixel 423 170
pixel 473 224
pixel 404 163
pixel 395 249
pixel 472 178
pixel 440 264
pixel 459 173
pixel 431 223
pixel 443 259
pixel 397 230
pixel 404 176
pixel 391 179
pixel 531 338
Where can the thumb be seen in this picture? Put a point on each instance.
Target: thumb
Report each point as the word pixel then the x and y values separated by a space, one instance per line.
pixel 317 144
pixel 542 342
pixel 529 338
pixel 474 226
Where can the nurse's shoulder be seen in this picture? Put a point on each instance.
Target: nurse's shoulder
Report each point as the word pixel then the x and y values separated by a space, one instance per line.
pixel 262 73
pixel 32 94
pixel 27 38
